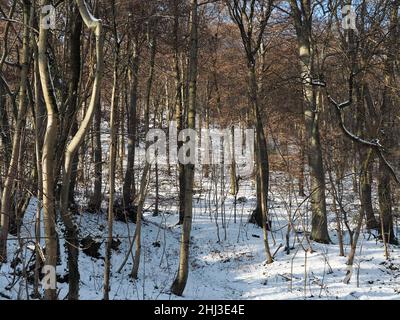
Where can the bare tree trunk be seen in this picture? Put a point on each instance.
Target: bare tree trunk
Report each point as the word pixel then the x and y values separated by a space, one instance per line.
pixel 74 172
pixel 129 181
pixel 364 101
pixel 388 114
pixel 179 283
pixel 355 236
pixel 233 177
pixel 39 113
pixel 319 230
pixel 139 215
pixel 146 170
pixel 96 198
pixel 207 144
pixel 303 26
pixel 168 120
pixel 262 163
pixel 366 196
pixel 112 170
pixel 302 165
pixel 4 132
pixel 113 158
pixel 254 48
pixel 385 206
pixel 16 144
pixel 71 232
pixel 179 111
pixel 48 156
pixel 352 254
pixel 149 84
pixel 4 123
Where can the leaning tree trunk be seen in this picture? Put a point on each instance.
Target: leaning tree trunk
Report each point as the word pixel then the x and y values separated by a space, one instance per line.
pixel 356 233
pixel 71 230
pixel 7 196
pixel 139 215
pixel 4 124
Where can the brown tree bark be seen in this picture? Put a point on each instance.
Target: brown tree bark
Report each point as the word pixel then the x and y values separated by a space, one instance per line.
pixel 113 157
pixel 388 112
pixel 303 25
pixel 253 45
pixel 7 195
pixel 179 283
pixel 71 232
pixel 129 180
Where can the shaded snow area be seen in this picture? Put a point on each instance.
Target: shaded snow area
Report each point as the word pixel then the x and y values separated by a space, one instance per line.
pixel 227 259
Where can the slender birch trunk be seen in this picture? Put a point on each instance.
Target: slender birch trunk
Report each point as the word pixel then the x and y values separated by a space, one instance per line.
pixel 48 154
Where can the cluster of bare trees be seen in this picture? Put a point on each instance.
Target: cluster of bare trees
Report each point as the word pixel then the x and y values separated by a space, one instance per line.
pixel 78 98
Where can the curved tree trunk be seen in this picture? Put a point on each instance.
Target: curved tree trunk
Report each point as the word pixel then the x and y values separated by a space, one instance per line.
pixel 48 155
pixel 71 230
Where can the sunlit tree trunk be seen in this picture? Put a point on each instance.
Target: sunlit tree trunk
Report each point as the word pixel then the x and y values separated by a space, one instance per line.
pixel 303 26
pixel 48 154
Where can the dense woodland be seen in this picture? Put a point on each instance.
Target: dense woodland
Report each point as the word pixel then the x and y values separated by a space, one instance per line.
pixel 83 82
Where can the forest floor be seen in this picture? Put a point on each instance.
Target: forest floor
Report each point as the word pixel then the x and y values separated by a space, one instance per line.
pixel 227 259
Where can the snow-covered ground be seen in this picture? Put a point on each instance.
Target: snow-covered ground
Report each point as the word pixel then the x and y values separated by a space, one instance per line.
pixel 227 259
